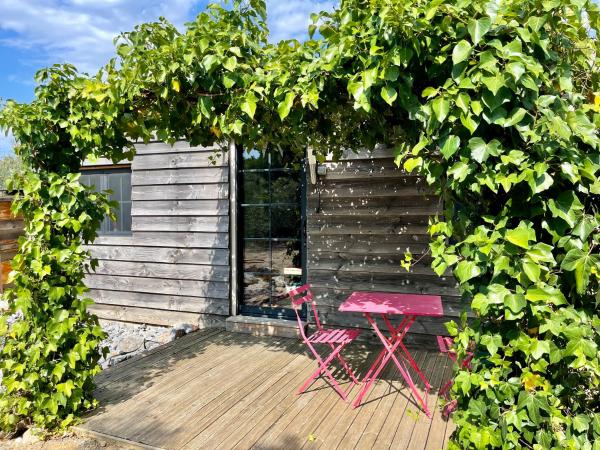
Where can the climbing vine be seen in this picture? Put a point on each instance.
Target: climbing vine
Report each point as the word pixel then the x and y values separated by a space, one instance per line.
pixel 495 104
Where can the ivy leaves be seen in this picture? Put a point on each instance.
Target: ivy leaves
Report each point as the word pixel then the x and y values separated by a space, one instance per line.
pixel 461 52
pixel 582 264
pixel 50 353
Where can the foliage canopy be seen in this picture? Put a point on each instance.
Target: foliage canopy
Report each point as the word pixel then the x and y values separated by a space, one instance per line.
pixel 494 103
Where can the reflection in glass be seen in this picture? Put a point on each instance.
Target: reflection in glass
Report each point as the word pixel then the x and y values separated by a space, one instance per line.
pixel 257 256
pixel 285 254
pixel 254 159
pixel 118 181
pixel 285 222
pixel 280 297
pixel 285 187
pixel 257 289
pixel 255 187
pixel 256 221
pixel 271 192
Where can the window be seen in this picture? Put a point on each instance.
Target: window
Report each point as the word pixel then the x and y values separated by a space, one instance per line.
pixel 271 231
pixel 118 180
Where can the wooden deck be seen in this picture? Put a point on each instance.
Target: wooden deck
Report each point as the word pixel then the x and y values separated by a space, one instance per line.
pixel 219 390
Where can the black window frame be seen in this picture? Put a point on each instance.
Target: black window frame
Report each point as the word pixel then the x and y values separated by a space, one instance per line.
pixel 104 229
pixel 269 311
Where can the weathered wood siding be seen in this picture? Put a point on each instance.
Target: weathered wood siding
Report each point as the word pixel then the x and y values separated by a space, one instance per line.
pixel 174 267
pixel 362 216
pixel 11 228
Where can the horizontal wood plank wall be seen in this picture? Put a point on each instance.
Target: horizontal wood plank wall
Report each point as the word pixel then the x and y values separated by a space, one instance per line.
pixel 362 217
pixel 11 228
pixel 174 267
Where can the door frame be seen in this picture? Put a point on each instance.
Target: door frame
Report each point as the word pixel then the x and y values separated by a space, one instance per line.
pixel 236 243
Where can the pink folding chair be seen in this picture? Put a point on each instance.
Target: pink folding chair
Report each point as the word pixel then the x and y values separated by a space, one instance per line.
pixel 336 339
pixel 445 343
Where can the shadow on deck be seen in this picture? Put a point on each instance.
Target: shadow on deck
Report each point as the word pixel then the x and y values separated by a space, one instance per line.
pixel 214 389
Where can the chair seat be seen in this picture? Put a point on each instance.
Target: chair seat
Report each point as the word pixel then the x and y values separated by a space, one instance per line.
pixel 334 336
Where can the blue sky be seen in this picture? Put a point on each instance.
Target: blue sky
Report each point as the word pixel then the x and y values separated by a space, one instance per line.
pixel 39 33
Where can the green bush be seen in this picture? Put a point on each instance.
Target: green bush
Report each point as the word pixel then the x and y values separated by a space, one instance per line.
pixel 496 104
pixel 50 352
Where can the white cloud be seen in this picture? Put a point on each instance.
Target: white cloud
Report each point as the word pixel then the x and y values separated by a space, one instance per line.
pixel 80 31
pixel 290 18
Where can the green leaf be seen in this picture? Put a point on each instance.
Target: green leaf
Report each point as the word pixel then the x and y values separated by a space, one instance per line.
pixel 236 51
pixel 492 343
pixel 479 149
pixel 580 263
pixel 516 69
pixel 567 207
pixel 391 73
pixel 532 404
pixel 412 163
pixel 441 108
pixel 249 104
pixel 209 62
pixel 515 302
pixel 539 348
pixel 61 315
pixel 515 117
pixel 532 270
pixel 466 270
pixel 462 101
pixel 228 81
pixel 230 63
pixel 521 235
pixel 56 293
pixel 478 28
pixel 450 146
pixel 389 94
pixel 581 423
pixel 461 52
pixel 285 106
pixel 495 83
pixel 546 294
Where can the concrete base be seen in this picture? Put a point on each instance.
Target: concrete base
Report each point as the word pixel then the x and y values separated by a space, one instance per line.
pixel 262 326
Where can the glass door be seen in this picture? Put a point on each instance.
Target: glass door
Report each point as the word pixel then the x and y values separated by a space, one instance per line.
pixel 271 232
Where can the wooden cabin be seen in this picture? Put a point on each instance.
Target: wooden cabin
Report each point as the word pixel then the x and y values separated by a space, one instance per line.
pixel 10 229
pixel 204 237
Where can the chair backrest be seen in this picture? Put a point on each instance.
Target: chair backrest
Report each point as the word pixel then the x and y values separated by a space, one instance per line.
pixel 445 343
pixel 299 296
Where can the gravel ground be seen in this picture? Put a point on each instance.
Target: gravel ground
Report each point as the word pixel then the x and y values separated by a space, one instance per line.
pixel 126 340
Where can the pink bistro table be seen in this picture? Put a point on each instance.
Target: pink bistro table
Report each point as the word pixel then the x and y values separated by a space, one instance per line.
pixel 410 306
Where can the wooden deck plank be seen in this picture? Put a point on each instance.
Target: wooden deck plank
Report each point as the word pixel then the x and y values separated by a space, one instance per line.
pixel 413 412
pixel 189 389
pixel 301 429
pixel 296 415
pixel 238 412
pixel 173 384
pixel 255 417
pixel 332 430
pixel 216 408
pixel 220 390
pixel 372 431
pixel 450 427
pixel 423 425
pixel 435 438
pixel 135 365
pixel 273 410
pixel 170 365
pixel 377 395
